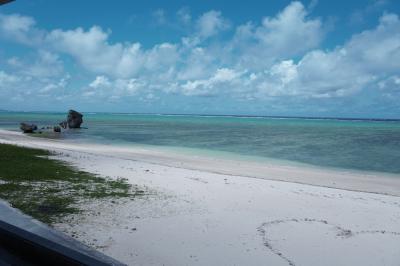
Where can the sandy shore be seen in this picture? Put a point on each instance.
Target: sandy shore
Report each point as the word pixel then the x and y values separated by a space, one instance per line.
pixel 207 211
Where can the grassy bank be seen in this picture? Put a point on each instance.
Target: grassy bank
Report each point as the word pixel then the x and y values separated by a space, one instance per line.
pixel 49 189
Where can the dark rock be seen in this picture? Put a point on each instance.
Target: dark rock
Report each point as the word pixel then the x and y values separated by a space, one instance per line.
pixel 74 119
pixel 57 129
pixel 28 128
pixel 64 124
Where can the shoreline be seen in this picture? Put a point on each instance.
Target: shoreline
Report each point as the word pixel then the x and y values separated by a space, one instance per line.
pixel 352 180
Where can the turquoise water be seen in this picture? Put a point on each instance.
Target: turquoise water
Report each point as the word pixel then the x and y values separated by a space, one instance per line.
pixel 350 144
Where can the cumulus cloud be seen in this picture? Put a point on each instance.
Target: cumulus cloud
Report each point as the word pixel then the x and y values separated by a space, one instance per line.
pixel 55 86
pixel 19 27
pixel 363 61
pixel 105 88
pixel 91 47
pixel 290 33
pixel 222 77
pixel 280 57
pixel 7 80
pixel 93 51
pixel 100 82
pixel 211 23
pixel 46 65
pixel 37 76
pixel 28 88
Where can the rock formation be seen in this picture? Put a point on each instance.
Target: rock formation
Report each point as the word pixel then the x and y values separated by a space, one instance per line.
pixel 28 128
pixel 74 119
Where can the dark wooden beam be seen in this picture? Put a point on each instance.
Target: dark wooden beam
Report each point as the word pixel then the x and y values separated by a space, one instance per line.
pixel 2 2
pixel 20 247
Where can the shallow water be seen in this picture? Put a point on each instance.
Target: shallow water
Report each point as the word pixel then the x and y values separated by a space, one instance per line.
pixel 351 144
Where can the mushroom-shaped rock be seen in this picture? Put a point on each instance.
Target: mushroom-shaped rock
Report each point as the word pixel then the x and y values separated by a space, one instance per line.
pixel 74 119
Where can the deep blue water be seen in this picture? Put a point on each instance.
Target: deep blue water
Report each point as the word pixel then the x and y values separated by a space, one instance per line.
pixel 351 144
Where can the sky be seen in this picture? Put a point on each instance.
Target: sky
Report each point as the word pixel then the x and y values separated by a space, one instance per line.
pixel 284 58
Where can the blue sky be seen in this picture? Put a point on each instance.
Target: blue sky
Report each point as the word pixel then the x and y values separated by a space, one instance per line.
pixel 300 58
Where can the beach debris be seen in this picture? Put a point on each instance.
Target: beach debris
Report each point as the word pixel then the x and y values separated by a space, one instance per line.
pixel 74 119
pixel 28 128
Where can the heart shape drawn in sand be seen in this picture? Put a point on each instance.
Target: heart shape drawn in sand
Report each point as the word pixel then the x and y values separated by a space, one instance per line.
pixel 317 242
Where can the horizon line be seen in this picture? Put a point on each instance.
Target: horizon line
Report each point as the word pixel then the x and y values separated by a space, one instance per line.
pixel 225 115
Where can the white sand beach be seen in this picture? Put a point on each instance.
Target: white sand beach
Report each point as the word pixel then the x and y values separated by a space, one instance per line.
pixel 213 211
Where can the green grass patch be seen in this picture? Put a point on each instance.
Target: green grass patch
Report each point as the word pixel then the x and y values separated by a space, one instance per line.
pixel 49 189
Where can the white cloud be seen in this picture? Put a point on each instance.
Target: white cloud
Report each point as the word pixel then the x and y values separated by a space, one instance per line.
pixel 92 50
pixel 378 49
pixel 207 87
pixel 46 65
pixel 7 79
pixel 100 82
pixel 224 75
pixel 365 61
pixel 18 27
pixel 37 75
pixel 211 23
pixel 277 58
pixel 23 87
pixel 291 32
pixel 105 88
pixel 56 86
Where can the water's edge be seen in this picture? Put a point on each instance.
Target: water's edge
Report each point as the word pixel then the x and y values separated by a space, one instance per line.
pixel 339 143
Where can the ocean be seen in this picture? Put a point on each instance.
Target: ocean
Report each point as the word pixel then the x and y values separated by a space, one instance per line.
pixel 354 144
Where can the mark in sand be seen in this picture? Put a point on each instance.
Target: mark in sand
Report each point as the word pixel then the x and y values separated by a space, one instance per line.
pixel 340 232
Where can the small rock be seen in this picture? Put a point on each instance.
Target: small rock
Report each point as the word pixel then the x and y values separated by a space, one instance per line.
pixel 28 128
pixel 57 129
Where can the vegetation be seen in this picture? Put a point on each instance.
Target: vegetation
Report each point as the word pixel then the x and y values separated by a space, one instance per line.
pixel 50 189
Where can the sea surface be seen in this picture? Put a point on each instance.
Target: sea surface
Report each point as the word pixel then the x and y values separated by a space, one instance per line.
pixel 366 145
